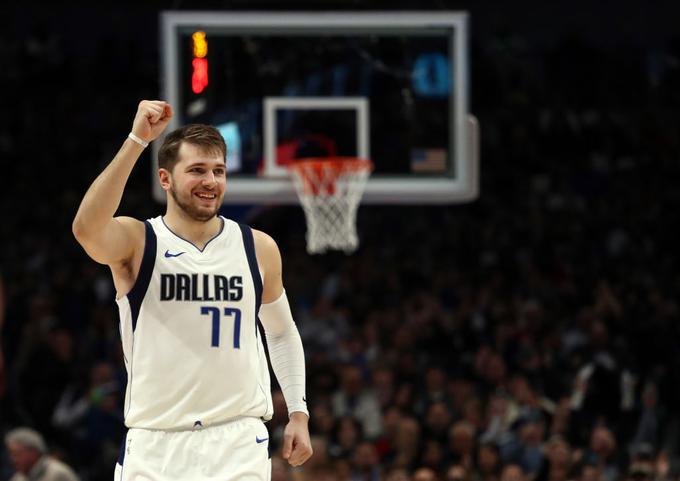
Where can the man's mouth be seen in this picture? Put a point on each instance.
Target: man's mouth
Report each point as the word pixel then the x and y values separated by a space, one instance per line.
pixel 206 195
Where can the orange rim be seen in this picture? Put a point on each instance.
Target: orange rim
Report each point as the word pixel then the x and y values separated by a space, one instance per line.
pixel 319 174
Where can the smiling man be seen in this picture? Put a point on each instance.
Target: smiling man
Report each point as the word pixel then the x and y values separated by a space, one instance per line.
pixel 191 286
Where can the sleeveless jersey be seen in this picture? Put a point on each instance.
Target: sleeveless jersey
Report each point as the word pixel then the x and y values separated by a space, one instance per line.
pixel 188 326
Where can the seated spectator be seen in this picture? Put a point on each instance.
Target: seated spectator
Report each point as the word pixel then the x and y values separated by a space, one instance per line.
pixel 280 469
pixel 530 453
pixel 603 448
pixel 437 421
pixel 461 444
pixel 488 463
pixel 433 455
pixel 365 466
pixel 558 461
pixel 319 463
pixel 346 436
pixel 93 419
pixel 390 420
pixel 397 474
pixel 406 447
pixel 28 454
pixel 424 474
pixel 513 472
pixel 640 471
pixel 588 472
pixel 356 400
pixel 434 390
pixel 321 421
pixel 456 472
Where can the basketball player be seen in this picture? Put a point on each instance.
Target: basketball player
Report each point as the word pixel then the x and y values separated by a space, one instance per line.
pixel 190 287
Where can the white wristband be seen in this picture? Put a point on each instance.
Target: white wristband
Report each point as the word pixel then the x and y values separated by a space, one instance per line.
pixel 134 138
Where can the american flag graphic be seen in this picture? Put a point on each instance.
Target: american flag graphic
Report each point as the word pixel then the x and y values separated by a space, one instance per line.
pixel 428 160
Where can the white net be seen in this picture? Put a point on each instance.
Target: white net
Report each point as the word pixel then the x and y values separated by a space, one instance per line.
pixel 330 191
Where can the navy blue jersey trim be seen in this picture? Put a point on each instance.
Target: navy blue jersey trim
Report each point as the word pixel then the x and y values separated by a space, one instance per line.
pixel 249 244
pixel 189 242
pixel 121 453
pixel 138 291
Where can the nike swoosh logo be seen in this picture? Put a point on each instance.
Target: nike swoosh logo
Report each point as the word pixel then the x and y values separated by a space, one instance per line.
pixel 258 440
pixel 168 254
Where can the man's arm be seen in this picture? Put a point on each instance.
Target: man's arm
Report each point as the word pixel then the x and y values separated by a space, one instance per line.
pixel 285 350
pixel 108 239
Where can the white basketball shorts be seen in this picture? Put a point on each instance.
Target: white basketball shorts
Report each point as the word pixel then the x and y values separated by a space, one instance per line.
pixel 237 450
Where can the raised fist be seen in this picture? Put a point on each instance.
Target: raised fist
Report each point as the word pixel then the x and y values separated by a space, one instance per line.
pixel 152 117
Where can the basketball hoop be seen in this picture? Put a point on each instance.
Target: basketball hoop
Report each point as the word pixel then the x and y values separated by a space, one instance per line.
pixel 329 190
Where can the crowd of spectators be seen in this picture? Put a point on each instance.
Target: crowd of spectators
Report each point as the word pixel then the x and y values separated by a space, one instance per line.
pixel 529 336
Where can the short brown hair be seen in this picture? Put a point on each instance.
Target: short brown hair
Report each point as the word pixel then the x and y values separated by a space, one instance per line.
pixel 207 137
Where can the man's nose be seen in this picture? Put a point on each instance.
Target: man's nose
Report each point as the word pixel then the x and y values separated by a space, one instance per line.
pixel 209 178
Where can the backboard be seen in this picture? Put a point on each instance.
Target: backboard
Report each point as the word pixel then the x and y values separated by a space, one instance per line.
pixel 387 86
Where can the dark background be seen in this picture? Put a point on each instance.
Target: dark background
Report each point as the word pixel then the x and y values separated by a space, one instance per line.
pixel 567 260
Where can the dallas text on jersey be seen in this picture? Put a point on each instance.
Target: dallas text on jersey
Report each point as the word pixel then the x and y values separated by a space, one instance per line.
pixel 185 287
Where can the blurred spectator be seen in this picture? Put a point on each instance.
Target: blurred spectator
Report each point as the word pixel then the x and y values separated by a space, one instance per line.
pixel 433 455
pixel 488 463
pixel 47 369
pixel 346 436
pixel 397 475
pixel 603 450
pixel 365 465
pixel 93 418
pixel 513 472
pixel 530 450
pixel 321 420
pixel 383 383
pixel 662 467
pixel 456 472
pixel 588 472
pixel 319 465
pixel 464 400
pixel 461 444
pixel 280 469
pixel 500 418
pixel 28 455
pixel 559 424
pixel 390 421
pixel 354 399
pixel 424 474
pixel 558 460
pixel 434 390
pixel 647 433
pixel 407 445
pixel 437 422
pixel 640 471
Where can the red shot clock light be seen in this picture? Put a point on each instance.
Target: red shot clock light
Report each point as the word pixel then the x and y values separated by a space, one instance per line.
pixel 199 77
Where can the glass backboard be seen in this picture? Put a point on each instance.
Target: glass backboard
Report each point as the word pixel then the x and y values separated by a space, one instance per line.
pixel 390 87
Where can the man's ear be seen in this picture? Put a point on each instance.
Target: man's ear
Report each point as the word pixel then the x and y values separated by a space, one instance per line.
pixel 165 177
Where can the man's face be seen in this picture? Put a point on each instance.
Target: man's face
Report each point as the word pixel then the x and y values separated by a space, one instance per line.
pixel 197 182
pixel 21 457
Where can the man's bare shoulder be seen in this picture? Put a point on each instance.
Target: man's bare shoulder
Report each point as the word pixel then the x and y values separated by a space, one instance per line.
pixel 264 241
pixel 267 250
pixel 269 259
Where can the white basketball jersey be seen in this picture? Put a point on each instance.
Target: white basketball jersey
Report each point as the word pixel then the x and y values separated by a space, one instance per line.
pixel 189 331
